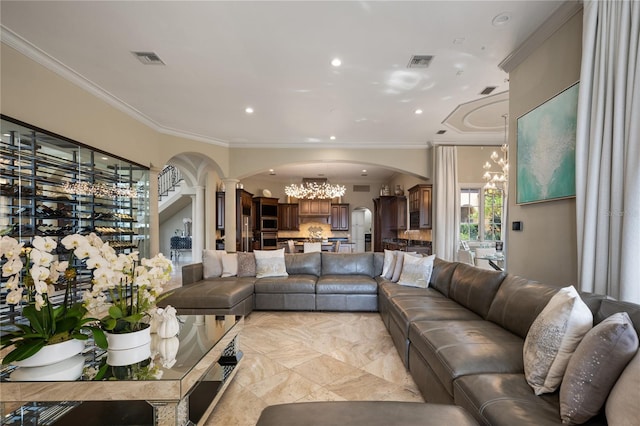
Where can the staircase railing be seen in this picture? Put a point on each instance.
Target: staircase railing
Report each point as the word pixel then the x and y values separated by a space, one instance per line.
pixel 168 178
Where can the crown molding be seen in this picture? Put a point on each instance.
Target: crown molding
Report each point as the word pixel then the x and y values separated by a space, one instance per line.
pixel 34 53
pixel 558 18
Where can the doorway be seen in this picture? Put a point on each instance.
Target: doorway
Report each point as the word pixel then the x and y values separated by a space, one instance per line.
pixel 360 227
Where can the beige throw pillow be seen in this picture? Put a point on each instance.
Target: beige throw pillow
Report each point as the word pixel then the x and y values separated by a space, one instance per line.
pixel 387 265
pixel 622 406
pixel 595 366
pixel 212 263
pixel 552 339
pixel 229 265
pixel 397 269
pixel 270 263
pixel 416 271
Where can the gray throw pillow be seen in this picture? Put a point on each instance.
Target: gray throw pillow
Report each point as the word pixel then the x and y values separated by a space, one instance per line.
pixel 246 265
pixel 595 366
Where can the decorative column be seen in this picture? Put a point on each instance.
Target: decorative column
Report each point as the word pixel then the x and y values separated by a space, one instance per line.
pixel 198 214
pixel 230 215
pixel 154 216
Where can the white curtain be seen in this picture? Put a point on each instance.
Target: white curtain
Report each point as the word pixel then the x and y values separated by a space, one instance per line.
pixel 608 150
pixel 447 203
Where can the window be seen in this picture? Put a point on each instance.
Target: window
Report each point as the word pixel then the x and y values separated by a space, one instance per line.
pixel 479 206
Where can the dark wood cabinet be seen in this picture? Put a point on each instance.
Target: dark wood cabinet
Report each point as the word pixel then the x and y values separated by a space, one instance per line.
pixel 420 216
pixel 315 207
pixel 390 216
pixel 339 217
pixel 244 213
pixel 288 217
pixel 266 222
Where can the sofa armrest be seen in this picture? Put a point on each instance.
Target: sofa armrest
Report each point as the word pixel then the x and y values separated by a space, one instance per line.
pixel 192 273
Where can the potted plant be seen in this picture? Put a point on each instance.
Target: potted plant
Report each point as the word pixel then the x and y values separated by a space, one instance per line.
pixel 125 288
pixel 30 275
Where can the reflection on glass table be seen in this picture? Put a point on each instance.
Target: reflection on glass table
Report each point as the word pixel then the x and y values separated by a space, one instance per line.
pixel 179 384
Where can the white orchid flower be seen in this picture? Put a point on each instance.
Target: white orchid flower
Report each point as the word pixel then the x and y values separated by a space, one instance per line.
pixel 12 267
pixel 13 282
pixel 10 247
pixel 39 302
pixel 86 250
pixel 46 244
pixel 41 258
pixel 40 286
pixel 39 273
pixel 61 266
pixel 15 296
pixel 72 242
pixel 97 262
pixel 103 274
pixel 94 240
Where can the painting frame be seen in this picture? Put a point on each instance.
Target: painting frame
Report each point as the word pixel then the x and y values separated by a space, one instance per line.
pixel 545 143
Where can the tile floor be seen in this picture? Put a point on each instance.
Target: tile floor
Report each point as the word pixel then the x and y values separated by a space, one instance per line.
pixel 312 356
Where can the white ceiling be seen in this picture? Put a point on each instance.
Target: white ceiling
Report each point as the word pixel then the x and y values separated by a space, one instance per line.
pixel 222 56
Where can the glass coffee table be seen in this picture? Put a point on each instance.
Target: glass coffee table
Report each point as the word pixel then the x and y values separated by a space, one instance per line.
pixel 184 392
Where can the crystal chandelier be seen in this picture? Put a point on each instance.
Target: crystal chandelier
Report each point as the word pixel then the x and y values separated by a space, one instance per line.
pixel 313 189
pixel 498 179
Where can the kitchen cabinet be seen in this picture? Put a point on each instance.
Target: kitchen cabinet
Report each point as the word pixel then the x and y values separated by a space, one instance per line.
pixel 390 216
pixel 339 217
pixel 288 217
pixel 420 216
pixel 314 207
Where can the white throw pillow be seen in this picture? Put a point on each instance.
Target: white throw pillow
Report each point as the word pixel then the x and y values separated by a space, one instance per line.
pixel 392 258
pixel 270 263
pixel 397 269
pixel 212 263
pixel 389 258
pixel 229 265
pixel 552 339
pixel 416 271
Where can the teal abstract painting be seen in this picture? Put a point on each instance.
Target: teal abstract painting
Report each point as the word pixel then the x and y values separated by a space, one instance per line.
pixel 546 145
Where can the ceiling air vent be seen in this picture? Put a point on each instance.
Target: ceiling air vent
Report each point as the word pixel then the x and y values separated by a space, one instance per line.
pixel 441 132
pixel 361 188
pixel 487 90
pixel 420 61
pixel 148 58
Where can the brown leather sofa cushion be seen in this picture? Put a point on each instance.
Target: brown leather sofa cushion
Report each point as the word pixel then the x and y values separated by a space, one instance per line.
pixel 518 302
pixel 346 284
pixel 289 284
pixel 303 263
pixel 364 413
pixel 441 275
pixel 459 348
pixel 347 264
pixel 218 293
pixel 475 288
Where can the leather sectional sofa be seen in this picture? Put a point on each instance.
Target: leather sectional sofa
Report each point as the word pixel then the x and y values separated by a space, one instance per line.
pixel 461 339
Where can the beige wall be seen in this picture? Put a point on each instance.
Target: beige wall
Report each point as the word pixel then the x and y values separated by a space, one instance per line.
pixel 34 94
pixel 546 249
pixel 470 161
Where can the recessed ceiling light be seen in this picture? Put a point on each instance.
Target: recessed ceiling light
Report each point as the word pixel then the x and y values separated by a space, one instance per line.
pixel 501 19
pixel 418 111
pixel 333 138
pixel 104 158
pixel 6 134
pixel 248 110
pixel 272 172
pixel 364 170
pixel 336 62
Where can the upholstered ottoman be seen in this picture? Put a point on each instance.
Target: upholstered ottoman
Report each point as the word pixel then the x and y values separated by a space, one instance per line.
pixel 364 413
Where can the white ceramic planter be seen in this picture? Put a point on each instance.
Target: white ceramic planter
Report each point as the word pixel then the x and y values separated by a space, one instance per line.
pixel 66 370
pixel 128 348
pixel 128 340
pixel 52 354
